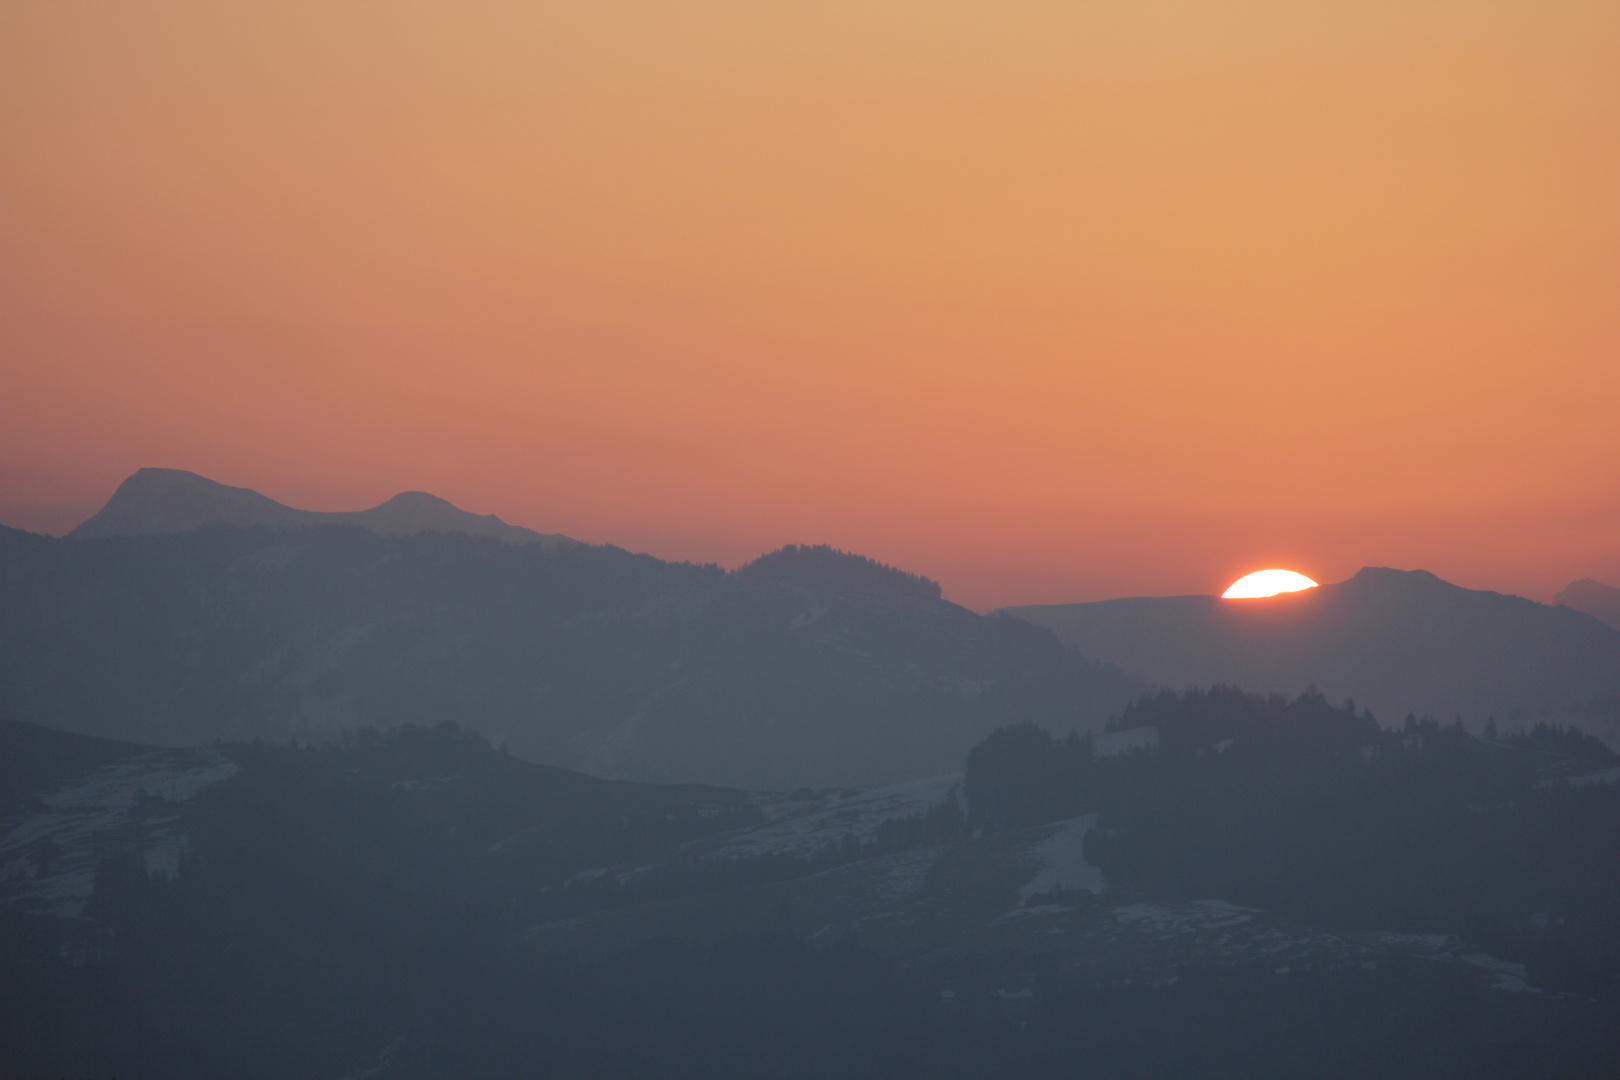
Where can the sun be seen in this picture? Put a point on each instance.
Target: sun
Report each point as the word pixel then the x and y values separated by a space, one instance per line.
pixel 1267 583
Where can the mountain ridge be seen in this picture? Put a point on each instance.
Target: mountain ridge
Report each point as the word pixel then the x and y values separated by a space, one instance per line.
pixel 1397 641
pixel 807 667
pixel 1596 599
pixel 153 501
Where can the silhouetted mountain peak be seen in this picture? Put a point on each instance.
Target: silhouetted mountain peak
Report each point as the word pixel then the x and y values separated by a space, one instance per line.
pixel 419 500
pixel 1596 599
pixel 417 511
pixel 825 569
pixel 174 500
pixel 1407 592
pixel 1389 578
pixel 162 501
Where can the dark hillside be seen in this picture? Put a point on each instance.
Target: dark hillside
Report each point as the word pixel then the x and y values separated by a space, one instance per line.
pixel 33 758
pixel 809 666
pixel 1398 641
pixel 1301 808
pixel 402 903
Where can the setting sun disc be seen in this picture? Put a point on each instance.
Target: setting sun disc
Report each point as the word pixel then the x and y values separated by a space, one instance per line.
pixel 1267 583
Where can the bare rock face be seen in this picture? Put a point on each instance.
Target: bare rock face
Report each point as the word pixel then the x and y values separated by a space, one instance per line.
pixel 164 501
pixel 1600 601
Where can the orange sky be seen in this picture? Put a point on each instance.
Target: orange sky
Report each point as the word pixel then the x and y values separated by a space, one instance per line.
pixel 1049 301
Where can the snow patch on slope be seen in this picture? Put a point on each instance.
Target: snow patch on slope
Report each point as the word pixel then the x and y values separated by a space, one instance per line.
pixel 1606 776
pixel 48 859
pixel 803 826
pixel 1508 976
pixel 1062 860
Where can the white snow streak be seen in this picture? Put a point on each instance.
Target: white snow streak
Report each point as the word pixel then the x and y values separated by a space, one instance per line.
pixel 1063 861
pixel 801 828
pixel 85 815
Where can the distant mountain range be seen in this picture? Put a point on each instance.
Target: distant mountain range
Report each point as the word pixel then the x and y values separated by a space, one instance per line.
pixel 227 861
pixel 162 501
pixel 1596 599
pixel 186 610
pixel 806 667
pixel 1396 641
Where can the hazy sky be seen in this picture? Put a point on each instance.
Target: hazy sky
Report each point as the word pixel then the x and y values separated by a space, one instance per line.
pixel 1047 301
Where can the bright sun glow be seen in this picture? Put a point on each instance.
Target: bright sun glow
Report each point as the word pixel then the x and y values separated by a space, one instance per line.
pixel 1267 583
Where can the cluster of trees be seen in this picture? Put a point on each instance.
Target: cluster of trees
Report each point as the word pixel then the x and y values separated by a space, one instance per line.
pixel 1313 811
pixel 1023 775
pixel 1557 741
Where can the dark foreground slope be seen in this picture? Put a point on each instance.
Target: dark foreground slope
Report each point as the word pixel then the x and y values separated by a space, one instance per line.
pixel 437 812
pixel 1319 814
pixel 1398 641
pixel 416 904
pixel 807 667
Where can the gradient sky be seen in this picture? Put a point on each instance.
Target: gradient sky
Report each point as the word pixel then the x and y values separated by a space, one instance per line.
pixel 1048 301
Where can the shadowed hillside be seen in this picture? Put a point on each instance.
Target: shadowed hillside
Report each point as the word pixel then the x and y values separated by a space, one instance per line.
pixel 1397 641
pixel 807 667
pixel 1273 883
